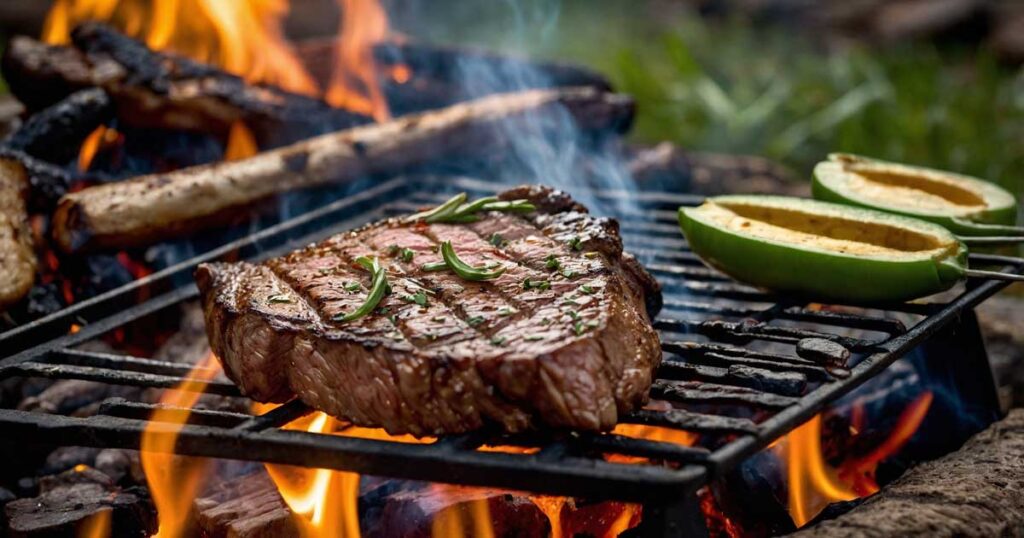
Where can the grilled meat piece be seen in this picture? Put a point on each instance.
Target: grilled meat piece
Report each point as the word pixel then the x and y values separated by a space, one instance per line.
pixel 17 257
pixel 563 337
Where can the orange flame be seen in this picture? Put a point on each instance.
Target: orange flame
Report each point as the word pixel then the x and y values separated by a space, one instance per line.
pixel 813 484
pixel 245 37
pixel 242 37
pixel 90 146
pixel 96 525
pixel 354 83
pixel 173 480
pixel 241 143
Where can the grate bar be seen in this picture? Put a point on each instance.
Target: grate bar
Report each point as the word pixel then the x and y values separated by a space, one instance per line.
pixel 113 377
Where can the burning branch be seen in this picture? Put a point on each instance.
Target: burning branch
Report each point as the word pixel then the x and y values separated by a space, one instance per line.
pixel 158 90
pixel 156 207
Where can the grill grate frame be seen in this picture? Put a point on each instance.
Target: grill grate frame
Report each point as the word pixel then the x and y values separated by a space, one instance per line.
pixel 707 322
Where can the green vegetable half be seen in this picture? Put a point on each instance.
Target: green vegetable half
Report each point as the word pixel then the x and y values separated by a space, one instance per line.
pixel 963 204
pixel 823 251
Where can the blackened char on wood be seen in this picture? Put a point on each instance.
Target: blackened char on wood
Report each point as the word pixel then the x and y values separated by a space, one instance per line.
pixel 159 90
pixel 442 354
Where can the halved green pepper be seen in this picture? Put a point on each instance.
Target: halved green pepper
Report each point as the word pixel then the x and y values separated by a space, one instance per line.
pixel 824 251
pixel 965 205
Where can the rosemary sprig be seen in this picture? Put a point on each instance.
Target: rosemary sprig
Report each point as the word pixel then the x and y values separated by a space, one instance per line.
pixel 378 287
pixel 463 269
pixel 435 266
pixel 457 211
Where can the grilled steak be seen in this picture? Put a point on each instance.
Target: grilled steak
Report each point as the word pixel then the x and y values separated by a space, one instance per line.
pixel 563 337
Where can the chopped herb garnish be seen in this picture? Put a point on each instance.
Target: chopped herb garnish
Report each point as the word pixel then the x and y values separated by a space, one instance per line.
pixel 574 243
pixel 382 310
pixel 393 250
pixel 538 284
pixel 393 319
pixel 419 298
pixel 379 285
pixel 278 299
pixel 568 273
pixel 545 321
pixel 474 321
pixel 455 210
pixel 591 255
pixel 533 338
pixel 435 266
pixel 506 311
pixel 570 301
pixel 498 340
pixel 353 286
pixel 551 262
pixel 589 290
pixel 573 314
pixel 463 269
pixel 438 318
pixel 496 240
pixel 407 255
pixel 579 327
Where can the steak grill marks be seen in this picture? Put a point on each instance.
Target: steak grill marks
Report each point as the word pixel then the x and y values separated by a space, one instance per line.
pixel 695 299
pixel 441 354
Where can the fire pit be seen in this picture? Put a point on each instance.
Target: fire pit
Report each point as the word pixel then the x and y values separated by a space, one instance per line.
pixel 765 409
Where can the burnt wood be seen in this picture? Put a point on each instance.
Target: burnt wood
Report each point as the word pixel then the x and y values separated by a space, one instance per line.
pixel 158 90
pixel 17 255
pixel 975 491
pixel 150 208
pixel 56 133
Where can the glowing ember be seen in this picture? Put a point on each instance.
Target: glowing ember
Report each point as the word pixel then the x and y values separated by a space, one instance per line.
pixel 174 480
pixel 813 484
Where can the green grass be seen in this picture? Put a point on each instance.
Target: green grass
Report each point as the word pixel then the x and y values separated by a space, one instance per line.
pixel 772 91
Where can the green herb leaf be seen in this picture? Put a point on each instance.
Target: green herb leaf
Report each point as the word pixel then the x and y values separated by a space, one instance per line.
pixel 551 262
pixel 407 255
pixel 536 284
pixel 506 311
pixel 579 328
pixel 496 240
pixel 456 211
pixel 419 298
pixel 568 273
pixel 353 286
pixel 435 266
pixel 498 340
pixel 589 290
pixel 463 269
pixel 574 243
pixel 378 287
pixel 475 320
pixel 279 299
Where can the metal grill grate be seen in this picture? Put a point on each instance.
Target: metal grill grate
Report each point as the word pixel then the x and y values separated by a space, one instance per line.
pixel 729 353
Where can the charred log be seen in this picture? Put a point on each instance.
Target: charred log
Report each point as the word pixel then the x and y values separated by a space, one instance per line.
pixel 56 133
pixel 157 90
pixel 17 258
pixel 247 507
pixel 157 207
pixel 78 499
pixel 48 182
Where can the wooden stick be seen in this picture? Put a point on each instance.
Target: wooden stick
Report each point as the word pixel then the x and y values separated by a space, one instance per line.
pixel 160 206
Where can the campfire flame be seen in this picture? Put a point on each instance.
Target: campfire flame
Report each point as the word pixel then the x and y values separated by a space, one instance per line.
pixel 174 480
pixel 246 37
pixel 354 84
pixel 813 484
pixel 242 37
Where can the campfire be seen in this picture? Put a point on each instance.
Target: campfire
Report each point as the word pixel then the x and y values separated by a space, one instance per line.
pixel 162 135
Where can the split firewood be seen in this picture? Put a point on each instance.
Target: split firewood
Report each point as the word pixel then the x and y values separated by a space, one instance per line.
pixel 160 206
pixel 17 257
pixel 80 499
pixel 159 90
pixel 246 507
